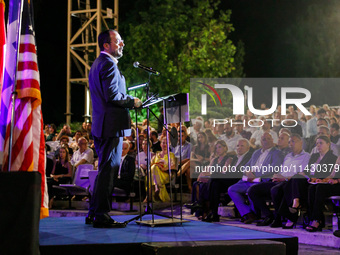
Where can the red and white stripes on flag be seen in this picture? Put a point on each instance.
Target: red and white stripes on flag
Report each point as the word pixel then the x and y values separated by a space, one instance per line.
pixel 2 39
pixel 28 143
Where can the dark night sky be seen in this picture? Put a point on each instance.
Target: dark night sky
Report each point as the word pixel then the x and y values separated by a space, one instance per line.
pixel 257 24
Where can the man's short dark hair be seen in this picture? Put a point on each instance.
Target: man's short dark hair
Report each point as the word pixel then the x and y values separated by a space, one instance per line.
pixel 154 133
pixel 297 136
pixel 323 119
pixel 321 110
pixel 104 37
pixel 335 126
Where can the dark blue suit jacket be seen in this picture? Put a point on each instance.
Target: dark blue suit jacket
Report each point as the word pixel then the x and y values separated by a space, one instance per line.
pixel 110 103
pixel 274 158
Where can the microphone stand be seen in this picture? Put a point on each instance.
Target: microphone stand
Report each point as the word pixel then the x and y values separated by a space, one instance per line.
pixel 150 209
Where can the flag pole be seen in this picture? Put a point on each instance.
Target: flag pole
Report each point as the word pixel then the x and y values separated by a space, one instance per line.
pixel 14 91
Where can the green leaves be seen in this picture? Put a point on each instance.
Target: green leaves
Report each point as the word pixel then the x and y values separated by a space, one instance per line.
pixel 182 40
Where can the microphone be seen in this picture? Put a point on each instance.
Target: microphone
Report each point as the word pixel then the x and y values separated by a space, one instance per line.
pixel 145 68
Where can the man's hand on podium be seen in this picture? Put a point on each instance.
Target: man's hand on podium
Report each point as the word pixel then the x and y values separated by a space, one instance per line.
pixel 138 103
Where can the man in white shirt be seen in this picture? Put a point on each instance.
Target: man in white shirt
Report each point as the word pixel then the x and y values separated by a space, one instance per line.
pixel 293 163
pixel 230 138
pixel 256 170
pixel 84 155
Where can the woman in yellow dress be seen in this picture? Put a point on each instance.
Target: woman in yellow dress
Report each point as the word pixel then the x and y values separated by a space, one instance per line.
pixel 160 172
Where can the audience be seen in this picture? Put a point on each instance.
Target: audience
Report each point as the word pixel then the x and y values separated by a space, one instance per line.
pixel 296 189
pixel 279 170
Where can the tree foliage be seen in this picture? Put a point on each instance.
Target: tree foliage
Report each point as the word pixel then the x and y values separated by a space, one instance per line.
pixel 181 39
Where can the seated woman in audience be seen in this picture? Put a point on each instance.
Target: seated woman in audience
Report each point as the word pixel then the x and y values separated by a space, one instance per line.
pixel 163 134
pixel 52 134
pixel 200 154
pixel 61 172
pixel 183 150
pixel 200 193
pixel 143 158
pixel 211 140
pixel 317 195
pixel 296 189
pixel 160 173
pixel 46 130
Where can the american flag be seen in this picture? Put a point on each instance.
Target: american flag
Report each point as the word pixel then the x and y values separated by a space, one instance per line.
pixel 28 146
pixel 2 38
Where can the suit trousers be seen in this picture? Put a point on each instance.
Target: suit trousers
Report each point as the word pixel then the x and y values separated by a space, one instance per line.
pixel 277 195
pixel 237 193
pixel 259 193
pixel 216 187
pixel 109 152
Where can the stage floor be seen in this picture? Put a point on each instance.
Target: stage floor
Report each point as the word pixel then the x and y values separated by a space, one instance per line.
pixel 70 232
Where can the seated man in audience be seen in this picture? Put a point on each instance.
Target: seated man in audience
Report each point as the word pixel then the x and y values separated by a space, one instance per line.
pixel 261 192
pixel 323 130
pixel 218 130
pixel 230 138
pixel 184 151
pixel 255 140
pixel 74 143
pixel 89 134
pixel 82 156
pixel 156 144
pixel 311 124
pixel 66 131
pixel 335 136
pixel 311 140
pixel 282 144
pixel 294 162
pixel 219 183
pixel 239 129
pixel 195 129
pixel 290 122
pixel 256 170
pixel 126 170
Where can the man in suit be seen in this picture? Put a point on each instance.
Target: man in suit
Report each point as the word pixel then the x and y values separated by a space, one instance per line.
pixel 110 123
pixel 256 170
pixel 126 170
pixel 219 183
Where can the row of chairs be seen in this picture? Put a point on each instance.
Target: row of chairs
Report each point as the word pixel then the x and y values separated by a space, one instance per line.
pixel 83 183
